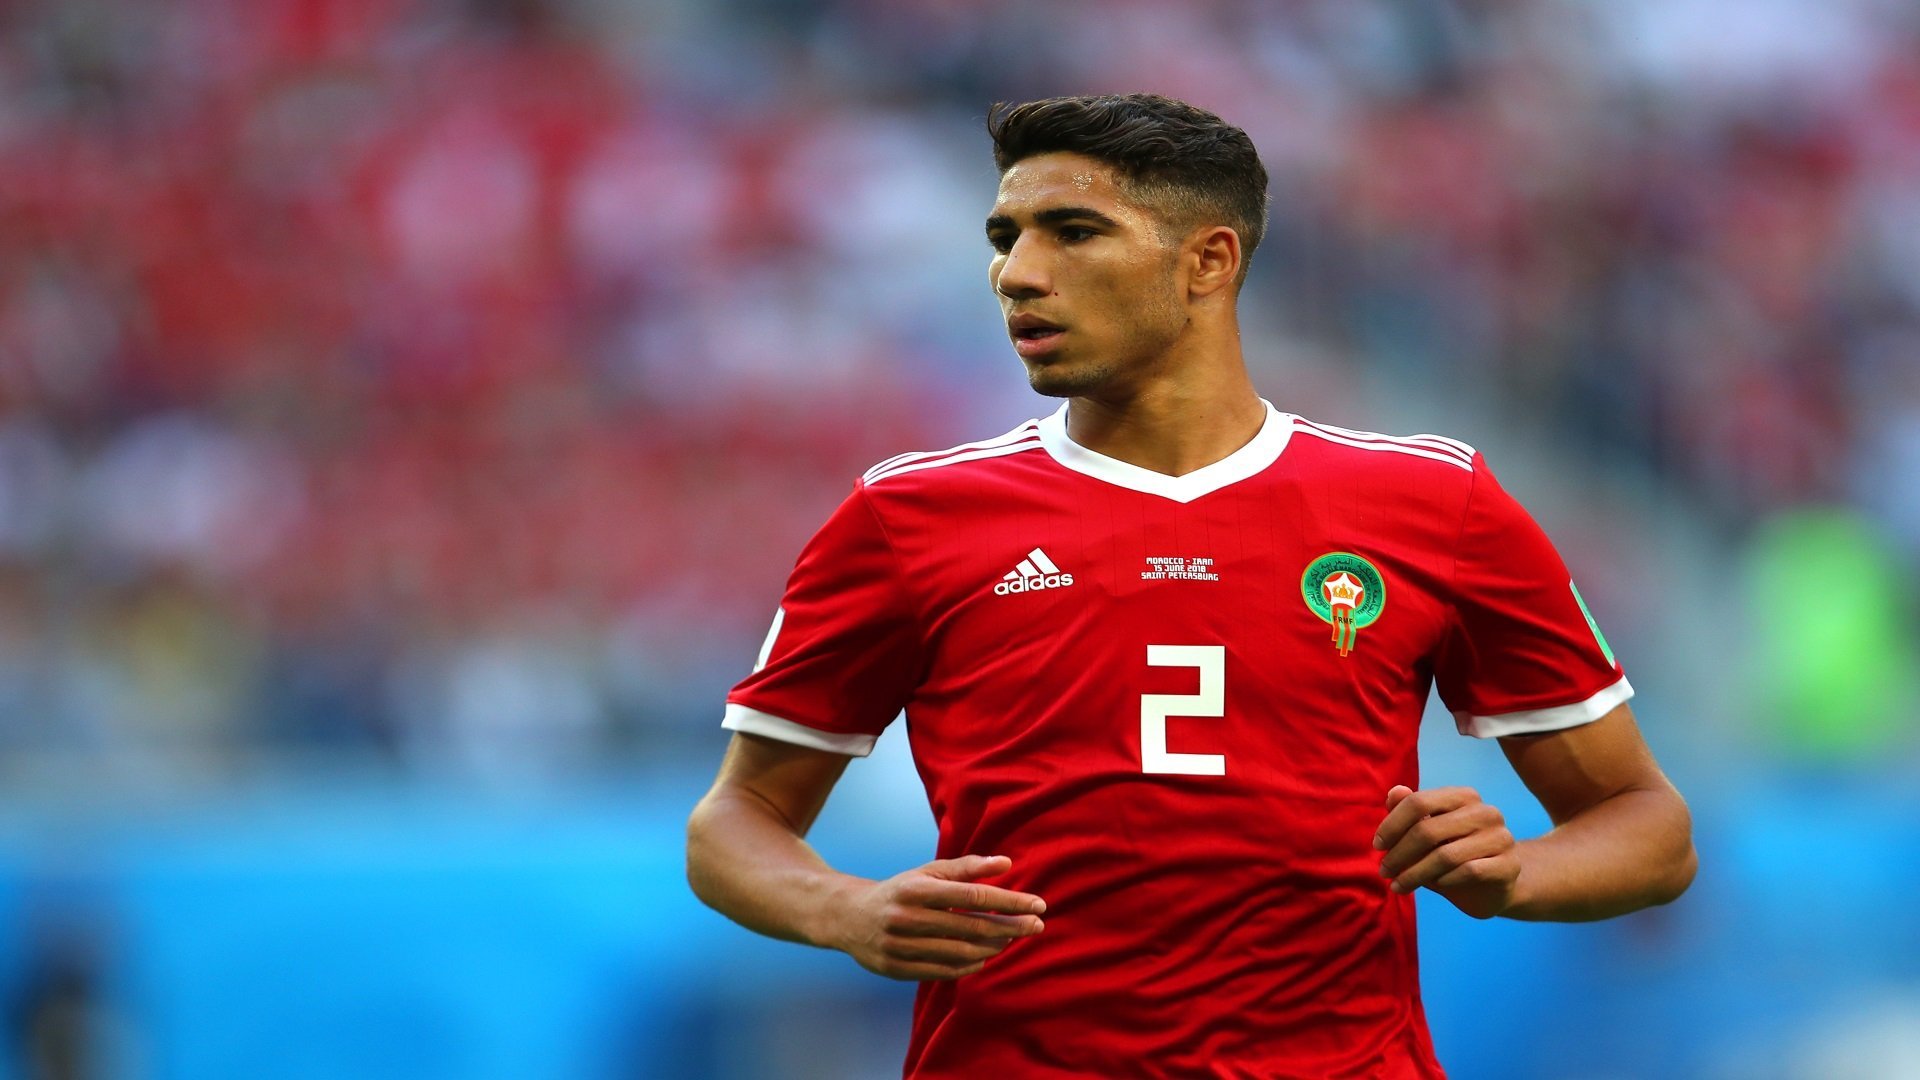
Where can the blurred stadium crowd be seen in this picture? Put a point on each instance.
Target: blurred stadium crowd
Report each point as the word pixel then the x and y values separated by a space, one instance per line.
pixel 451 384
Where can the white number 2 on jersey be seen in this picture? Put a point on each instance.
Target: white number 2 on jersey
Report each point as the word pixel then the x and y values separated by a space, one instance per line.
pixel 1155 708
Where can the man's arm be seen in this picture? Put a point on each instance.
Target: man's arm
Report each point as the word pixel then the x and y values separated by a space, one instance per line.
pixel 747 858
pixel 1622 838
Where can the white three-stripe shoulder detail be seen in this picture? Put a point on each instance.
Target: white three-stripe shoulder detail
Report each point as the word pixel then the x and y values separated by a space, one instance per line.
pixel 1021 447
pixel 1426 442
pixel 1025 430
pixel 1430 453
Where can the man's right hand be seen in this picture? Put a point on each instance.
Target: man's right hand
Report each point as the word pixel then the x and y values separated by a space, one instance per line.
pixel 936 921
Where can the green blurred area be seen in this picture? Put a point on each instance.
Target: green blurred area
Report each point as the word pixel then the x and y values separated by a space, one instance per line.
pixel 1833 635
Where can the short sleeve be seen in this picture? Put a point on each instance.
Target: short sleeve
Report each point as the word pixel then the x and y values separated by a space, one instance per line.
pixel 1522 654
pixel 842 656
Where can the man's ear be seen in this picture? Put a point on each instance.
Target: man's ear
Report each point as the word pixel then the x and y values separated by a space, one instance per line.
pixel 1213 253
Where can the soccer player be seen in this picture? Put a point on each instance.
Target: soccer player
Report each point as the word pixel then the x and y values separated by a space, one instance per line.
pixel 1163 656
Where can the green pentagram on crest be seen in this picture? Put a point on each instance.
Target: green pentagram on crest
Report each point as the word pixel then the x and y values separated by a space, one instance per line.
pixel 1345 591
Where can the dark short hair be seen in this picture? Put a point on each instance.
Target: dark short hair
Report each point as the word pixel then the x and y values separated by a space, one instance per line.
pixel 1182 158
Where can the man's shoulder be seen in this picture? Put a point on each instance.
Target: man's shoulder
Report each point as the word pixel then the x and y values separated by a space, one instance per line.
pixel 1423 459
pixel 922 470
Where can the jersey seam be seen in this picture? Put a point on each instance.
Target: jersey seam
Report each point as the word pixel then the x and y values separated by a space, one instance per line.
pixel 914 606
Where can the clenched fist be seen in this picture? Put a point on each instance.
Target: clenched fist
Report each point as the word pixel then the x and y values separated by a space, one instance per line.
pixel 1451 842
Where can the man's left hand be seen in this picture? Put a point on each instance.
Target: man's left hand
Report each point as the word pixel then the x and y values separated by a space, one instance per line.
pixel 1451 842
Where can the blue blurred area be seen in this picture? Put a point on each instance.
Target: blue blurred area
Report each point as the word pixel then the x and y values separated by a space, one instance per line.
pixel 383 937
pixel 369 933
pixel 409 410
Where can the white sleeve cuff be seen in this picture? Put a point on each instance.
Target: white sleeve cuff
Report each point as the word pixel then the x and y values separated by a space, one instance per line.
pixel 1532 721
pixel 755 722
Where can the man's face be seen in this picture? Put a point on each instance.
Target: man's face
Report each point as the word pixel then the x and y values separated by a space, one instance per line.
pixel 1088 283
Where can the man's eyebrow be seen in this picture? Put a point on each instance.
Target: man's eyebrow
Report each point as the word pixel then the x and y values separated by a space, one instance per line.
pixel 1074 213
pixel 1055 216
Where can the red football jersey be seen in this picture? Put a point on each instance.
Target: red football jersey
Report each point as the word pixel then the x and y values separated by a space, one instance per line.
pixel 1177 703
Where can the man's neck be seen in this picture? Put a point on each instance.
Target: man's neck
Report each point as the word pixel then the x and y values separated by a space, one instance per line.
pixel 1172 428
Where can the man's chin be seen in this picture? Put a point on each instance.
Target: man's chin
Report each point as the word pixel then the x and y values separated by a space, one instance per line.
pixel 1063 379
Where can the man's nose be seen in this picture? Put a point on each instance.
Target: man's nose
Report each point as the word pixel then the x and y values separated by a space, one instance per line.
pixel 1023 274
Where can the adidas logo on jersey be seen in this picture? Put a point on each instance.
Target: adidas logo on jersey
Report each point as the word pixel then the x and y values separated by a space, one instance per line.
pixel 1034 573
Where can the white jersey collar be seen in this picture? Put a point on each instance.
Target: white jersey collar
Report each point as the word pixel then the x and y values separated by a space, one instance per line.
pixel 1263 450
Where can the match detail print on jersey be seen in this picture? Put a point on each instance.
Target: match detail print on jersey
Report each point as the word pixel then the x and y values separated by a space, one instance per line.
pixel 1345 590
pixel 1180 568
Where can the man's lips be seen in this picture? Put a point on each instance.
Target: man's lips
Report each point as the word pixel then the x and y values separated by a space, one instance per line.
pixel 1033 335
pixel 1037 340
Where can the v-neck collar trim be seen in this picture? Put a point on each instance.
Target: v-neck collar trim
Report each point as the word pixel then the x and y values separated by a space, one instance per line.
pixel 1263 450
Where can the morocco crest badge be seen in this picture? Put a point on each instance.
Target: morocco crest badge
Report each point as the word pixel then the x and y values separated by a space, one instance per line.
pixel 1346 591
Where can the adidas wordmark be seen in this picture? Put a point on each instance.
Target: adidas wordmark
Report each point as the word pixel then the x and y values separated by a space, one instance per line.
pixel 1034 573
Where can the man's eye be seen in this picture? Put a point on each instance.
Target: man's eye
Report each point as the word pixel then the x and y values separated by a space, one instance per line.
pixel 1073 234
pixel 1001 243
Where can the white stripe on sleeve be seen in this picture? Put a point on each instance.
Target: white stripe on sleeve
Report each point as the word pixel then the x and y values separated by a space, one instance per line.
pixel 1531 721
pixel 755 722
